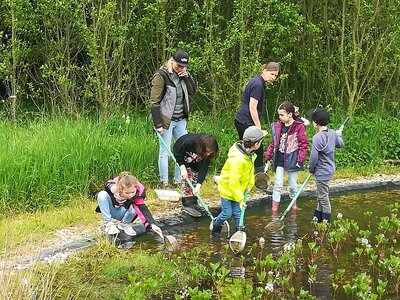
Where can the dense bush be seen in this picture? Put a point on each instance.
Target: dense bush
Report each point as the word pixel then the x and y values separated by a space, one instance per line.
pixel 72 56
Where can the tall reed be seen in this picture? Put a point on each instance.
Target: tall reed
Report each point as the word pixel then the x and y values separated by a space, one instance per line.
pixel 44 163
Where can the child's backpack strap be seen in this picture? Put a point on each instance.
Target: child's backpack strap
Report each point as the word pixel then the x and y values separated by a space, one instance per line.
pixel 112 180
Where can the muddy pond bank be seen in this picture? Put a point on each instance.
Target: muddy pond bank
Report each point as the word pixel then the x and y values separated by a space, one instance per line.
pixel 70 240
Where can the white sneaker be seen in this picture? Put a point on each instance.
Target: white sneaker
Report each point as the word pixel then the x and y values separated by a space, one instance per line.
pixel 111 228
pixel 127 228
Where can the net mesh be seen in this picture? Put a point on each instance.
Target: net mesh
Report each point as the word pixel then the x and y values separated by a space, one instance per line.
pixel 171 244
pixel 236 246
pixel 274 225
pixel 237 241
pixel 261 181
pixel 225 228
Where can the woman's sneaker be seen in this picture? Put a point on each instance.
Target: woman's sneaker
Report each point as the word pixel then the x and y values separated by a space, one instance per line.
pixel 127 228
pixel 111 228
pixel 187 207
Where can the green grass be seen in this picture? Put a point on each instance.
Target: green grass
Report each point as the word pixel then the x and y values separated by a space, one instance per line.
pixel 106 273
pixel 24 229
pixel 102 272
pixel 45 163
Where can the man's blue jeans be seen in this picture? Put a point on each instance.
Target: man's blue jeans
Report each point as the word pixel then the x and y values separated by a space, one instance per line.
pixel 176 129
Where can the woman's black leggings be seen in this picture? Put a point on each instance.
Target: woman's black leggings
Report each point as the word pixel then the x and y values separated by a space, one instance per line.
pixel 259 162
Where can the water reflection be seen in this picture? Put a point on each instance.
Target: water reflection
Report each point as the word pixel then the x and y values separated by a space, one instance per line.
pixel 323 287
pixel 296 225
pixel 236 268
pixel 287 232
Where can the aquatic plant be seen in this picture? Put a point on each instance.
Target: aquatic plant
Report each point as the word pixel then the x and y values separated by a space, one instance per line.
pixel 337 279
pixel 391 266
pixel 361 287
pixel 312 275
pixel 340 231
pixel 320 232
pixel 290 273
pixel 198 294
pixel 313 251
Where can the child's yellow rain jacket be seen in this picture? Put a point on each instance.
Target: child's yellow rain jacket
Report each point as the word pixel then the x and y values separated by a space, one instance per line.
pixel 237 173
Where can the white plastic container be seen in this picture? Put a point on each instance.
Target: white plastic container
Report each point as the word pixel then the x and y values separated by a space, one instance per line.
pixel 168 195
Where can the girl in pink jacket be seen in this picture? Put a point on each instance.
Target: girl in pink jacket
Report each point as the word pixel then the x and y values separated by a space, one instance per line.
pixel 123 200
pixel 288 148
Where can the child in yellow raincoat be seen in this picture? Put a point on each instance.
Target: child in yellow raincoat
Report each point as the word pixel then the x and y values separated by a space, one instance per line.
pixel 237 175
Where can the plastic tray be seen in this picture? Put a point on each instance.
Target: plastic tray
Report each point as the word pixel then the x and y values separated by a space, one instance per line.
pixel 169 195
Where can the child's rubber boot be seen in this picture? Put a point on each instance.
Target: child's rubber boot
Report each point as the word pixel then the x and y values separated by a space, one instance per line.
pixel 317 216
pixel 275 205
pixel 243 228
pixel 295 207
pixel 326 217
pixel 216 231
pixel 258 169
pixel 188 207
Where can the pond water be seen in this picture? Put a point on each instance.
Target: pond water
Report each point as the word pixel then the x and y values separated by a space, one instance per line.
pixel 297 225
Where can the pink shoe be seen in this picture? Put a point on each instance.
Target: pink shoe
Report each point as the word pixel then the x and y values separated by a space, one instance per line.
pixel 275 205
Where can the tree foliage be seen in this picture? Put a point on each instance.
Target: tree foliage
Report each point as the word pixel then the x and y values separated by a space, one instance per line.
pixel 70 56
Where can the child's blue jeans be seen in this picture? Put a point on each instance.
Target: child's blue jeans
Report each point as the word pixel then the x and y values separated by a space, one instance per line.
pixel 229 208
pixel 109 212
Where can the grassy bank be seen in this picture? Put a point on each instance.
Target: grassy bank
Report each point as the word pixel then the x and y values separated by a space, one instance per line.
pixel 45 163
pixel 28 230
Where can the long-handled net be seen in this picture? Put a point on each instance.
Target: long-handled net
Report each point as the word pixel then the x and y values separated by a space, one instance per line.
pixel 171 243
pixel 276 224
pixel 225 226
pixel 279 223
pixel 262 180
pixel 238 239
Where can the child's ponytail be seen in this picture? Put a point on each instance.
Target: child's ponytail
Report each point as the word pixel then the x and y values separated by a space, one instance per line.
pixel 123 174
pixel 288 107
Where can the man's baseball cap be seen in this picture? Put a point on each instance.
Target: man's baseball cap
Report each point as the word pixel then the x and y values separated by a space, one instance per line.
pixel 181 58
pixel 254 134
